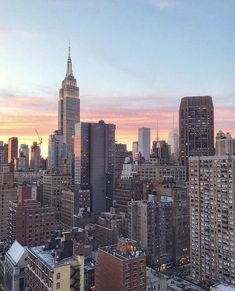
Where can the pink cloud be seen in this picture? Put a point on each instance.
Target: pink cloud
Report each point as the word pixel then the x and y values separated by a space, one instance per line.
pixel 7 32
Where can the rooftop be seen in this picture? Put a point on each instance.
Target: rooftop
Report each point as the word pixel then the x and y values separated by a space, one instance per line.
pixel 48 257
pixel 126 249
pixel 222 287
pixel 178 284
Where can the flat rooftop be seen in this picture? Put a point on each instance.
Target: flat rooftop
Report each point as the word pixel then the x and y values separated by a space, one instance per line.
pixel 124 256
pixel 222 287
pixel 48 257
pixel 177 283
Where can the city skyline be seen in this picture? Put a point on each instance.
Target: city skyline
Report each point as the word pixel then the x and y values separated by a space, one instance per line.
pixel 173 57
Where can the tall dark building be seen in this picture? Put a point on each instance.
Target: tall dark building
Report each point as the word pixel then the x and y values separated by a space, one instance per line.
pixel 12 149
pixel 94 162
pixel 196 127
pixel 69 109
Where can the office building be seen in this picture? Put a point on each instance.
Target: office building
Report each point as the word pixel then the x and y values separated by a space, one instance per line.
pixel 212 219
pixel 53 185
pixel 225 144
pixel 196 128
pixel 127 190
pixel 150 223
pixel 69 111
pixel 120 154
pixel 161 151
pixel 12 149
pixel 121 267
pixel 8 192
pixel 56 151
pixel 144 139
pixel 35 161
pixel 3 153
pixel 94 162
pixel 173 141
pixel 154 171
pixel 55 267
pixel 29 223
pixel 24 152
pixel 135 150
pixel 15 267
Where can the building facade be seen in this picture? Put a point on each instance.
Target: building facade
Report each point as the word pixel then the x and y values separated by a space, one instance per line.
pixel 121 267
pixel 55 267
pixel 12 149
pixel 144 139
pixel 56 151
pixel 212 219
pixel 196 127
pixel 29 223
pixel 94 162
pixel 69 111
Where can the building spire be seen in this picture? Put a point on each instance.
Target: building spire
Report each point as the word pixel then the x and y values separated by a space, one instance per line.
pixel 69 71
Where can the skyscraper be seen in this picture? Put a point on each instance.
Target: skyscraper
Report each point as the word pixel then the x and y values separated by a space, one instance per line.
pixel 173 141
pixel 12 149
pixel 56 150
pixel 94 162
pixel 144 137
pixel 24 152
pixel 69 109
pixel 212 219
pixel 35 162
pixel 196 127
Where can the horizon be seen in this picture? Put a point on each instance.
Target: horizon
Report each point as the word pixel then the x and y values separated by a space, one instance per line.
pixel 147 55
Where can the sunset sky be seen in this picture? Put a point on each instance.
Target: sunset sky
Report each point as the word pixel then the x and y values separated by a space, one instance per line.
pixel 133 60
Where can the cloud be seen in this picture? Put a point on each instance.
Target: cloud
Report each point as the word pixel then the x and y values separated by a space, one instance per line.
pixel 162 3
pixel 12 32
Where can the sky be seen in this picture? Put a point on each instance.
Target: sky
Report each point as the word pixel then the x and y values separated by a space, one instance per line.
pixel 133 59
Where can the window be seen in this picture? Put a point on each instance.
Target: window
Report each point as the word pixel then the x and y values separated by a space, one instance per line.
pixel 57 285
pixel 58 276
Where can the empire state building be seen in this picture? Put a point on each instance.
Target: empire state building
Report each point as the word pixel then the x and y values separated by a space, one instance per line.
pixel 69 108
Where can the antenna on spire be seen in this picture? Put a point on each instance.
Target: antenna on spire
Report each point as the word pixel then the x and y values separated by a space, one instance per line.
pixel 157 132
pixel 173 120
pixel 69 48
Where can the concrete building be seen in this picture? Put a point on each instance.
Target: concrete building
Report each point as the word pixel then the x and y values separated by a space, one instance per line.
pixel 15 267
pixel 53 185
pixel 94 162
pixel 12 149
pixel 155 281
pixel 120 155
pixel 69 111
pixel 153 171
pixel 222 287
pixel 212 219
pixel 56 151
pixel 135 150
pixel 8 192
pixel 161 151
pixel 173 141
pixel 196 128
pixel 24 152
pixel 127 190
pixel 144 139
pixel 225 144
pixel 178 284
pixel 150 224
pixel 3 153
pixel 35 161
pixel 121 267
pixel 55 267
pixel 29 223
pixel 180 218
